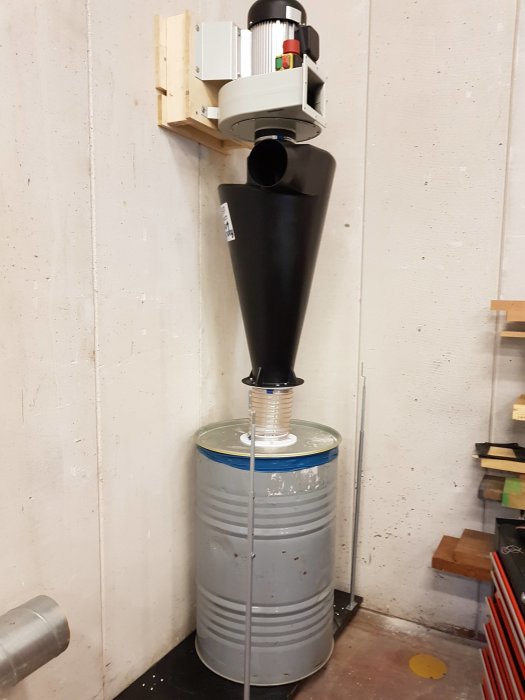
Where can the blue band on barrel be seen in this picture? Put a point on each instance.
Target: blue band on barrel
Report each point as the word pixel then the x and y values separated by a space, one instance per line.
pixel 272 464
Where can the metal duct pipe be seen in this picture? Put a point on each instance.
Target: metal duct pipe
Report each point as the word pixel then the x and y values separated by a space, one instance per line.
pixel 30 636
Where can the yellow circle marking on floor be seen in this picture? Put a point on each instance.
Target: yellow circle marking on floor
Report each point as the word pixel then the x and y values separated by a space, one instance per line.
pixel 428 666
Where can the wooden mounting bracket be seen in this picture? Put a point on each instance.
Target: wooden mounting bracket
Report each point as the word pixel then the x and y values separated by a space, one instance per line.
pixel 185 103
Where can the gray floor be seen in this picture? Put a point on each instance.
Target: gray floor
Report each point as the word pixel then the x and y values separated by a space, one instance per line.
pixel 370 662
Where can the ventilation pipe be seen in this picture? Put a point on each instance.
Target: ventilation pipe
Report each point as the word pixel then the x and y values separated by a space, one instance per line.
pixel 30 636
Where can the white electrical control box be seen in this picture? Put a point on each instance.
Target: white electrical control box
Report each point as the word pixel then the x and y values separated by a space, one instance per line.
pixel 222 51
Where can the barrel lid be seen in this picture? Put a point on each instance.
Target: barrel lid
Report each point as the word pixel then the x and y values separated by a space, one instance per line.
pixel 225 438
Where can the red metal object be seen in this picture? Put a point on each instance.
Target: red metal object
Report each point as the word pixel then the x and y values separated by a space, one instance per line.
pixel 490 678
pixel 510 630
pixel 509 668
pixel 292 46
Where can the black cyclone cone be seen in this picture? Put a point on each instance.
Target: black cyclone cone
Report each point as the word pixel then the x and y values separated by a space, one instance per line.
pixel 277 219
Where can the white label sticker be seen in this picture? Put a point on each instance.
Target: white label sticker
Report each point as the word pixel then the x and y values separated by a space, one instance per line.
pixel 293 14
pixel 228 226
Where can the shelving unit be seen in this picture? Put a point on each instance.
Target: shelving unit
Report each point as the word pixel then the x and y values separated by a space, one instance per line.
pixel 514 313
pixel 469 555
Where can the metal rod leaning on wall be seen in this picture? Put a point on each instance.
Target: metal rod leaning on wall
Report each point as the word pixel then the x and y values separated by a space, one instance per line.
pixel 357 498
pixel 30 636
pixel 250 558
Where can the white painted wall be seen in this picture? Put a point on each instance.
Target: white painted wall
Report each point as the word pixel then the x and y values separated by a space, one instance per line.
pixel 121 330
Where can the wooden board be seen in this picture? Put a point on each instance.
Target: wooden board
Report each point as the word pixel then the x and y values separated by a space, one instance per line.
pixel 503 452
pixel 474 548
pixel 491 488
pixel 514 310
pixel 514 492
pixel 518 410
pixel 502 465
pixel 443 560
pixel 512 334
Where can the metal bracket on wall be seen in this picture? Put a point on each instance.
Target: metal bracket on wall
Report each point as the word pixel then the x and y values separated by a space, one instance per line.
pixel 186 104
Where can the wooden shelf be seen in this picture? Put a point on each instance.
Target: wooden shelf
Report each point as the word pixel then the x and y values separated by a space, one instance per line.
pixel 512 334
pixel 502 465
pixel 468 555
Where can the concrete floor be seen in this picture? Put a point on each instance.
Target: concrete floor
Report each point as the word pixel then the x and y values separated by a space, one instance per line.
pixel 370 662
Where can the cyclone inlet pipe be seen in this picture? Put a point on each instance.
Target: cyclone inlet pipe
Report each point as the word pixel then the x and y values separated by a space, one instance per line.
pixel 30 636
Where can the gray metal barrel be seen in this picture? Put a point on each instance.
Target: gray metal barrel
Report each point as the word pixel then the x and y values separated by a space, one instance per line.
pixel 292 610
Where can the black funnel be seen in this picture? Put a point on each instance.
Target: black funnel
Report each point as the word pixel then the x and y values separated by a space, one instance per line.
pixel 277 220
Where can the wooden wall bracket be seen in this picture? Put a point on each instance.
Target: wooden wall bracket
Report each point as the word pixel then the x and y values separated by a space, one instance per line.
pixel 184 103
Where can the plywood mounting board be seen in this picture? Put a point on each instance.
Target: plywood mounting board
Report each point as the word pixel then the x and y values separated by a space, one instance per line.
pixel 182 99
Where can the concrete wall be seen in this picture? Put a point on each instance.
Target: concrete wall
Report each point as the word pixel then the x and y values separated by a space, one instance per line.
pixel 439 93
pixel 509 352
pixel 49 515
pixel 104 259
pixel 121 332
